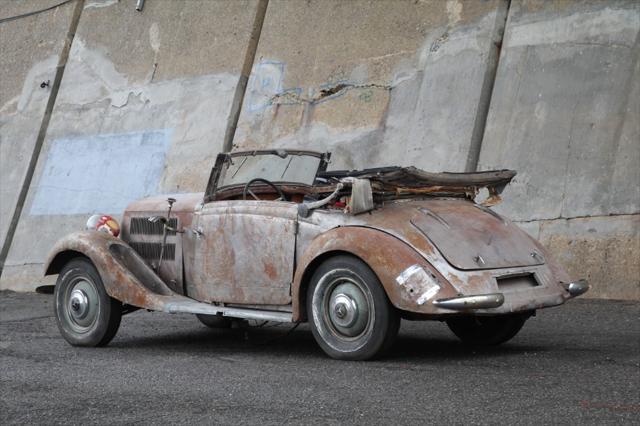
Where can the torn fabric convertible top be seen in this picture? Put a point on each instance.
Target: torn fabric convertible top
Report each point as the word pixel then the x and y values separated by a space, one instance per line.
pixel 395 181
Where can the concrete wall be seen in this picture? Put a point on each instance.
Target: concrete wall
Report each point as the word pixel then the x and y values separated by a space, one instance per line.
pixel 142 109
pixel 373 82
pixel 31 49
pixel 547 88
pixel 565 113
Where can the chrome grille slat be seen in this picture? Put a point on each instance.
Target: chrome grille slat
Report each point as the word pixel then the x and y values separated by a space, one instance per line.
pixel 151 251
pixel 142 226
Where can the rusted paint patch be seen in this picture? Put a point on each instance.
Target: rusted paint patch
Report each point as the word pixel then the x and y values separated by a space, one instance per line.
pixel 131 281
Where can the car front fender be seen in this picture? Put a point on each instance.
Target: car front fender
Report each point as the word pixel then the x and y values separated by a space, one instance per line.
pixel 405 275
pixel 125 275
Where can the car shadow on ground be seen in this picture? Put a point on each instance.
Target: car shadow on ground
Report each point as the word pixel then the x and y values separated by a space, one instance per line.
pixel 433 349
pixel 282 341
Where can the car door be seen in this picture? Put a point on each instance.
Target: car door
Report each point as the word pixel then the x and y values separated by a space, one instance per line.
pixel 244 252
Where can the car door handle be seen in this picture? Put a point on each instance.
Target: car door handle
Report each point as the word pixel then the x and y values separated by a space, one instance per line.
pixel 197 232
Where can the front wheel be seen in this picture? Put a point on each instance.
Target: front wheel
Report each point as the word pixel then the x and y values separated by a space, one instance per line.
pixel 350 315
pixel 489 330
pixel 85 313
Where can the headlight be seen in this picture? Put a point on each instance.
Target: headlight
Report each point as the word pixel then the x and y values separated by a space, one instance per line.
pixel 103 223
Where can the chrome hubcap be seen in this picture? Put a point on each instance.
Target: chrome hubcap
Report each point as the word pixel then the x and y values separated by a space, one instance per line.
pixel 82 306
pixel 347 308
pixel 343 310
pixel 78 304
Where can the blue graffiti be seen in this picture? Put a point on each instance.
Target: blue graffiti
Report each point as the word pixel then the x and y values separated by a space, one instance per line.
pixel 264 83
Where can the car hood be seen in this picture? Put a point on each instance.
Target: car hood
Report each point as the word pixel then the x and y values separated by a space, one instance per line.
pixel 158 204
pixel 182 210
pixel 467 235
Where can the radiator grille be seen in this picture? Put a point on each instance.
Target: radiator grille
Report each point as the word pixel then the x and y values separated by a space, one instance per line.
pixel 141 225
pixel 151 251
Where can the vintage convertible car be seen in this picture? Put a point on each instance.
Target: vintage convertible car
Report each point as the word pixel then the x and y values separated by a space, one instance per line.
pixel 276 237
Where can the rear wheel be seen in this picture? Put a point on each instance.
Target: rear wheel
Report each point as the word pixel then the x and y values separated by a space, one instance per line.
pixel 350 315
pixel 487 331
pixel 85 313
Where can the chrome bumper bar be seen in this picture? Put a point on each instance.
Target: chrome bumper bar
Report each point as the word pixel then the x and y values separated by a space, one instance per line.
pixel 495 300
pixel 577 288
pixel 480 301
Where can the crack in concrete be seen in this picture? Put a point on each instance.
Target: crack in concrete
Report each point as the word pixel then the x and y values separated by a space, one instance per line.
pixel 439 42
pixel 577 217
pixel 289 98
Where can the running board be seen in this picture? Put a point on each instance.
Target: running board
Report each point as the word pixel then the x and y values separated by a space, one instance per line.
pixel 184 305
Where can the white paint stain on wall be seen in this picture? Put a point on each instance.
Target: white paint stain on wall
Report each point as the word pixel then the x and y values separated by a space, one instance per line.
pixel 95 97
pixel 98 4
pixel 607 26
pixel 454 11
pixel 154 37
pixel 100 173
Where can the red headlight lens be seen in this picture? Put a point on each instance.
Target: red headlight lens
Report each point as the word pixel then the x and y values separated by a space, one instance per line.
pixel 103 223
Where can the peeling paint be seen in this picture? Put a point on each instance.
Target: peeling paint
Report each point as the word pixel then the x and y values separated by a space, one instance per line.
pixel 418 284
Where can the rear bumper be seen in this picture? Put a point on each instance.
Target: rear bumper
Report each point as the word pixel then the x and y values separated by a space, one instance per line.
pixel 496 300
pixel 463 303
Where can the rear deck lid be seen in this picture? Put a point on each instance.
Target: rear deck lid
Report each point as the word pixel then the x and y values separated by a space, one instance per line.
pixel 470 236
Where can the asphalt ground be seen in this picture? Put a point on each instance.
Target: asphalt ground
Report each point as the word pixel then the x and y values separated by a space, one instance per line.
pixel 574 364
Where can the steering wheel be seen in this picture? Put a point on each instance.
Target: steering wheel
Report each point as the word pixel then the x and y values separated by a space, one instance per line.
pixel 255 197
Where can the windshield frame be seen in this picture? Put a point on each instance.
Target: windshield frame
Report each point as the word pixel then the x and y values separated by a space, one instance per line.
pixel 224 158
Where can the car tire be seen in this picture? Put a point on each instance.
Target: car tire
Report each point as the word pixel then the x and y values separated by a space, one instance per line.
pixel 85 313
pixel 489 330
pixel 350 314
pixel 214 321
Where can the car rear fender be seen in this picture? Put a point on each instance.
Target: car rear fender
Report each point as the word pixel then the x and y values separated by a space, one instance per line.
pixel 386 255
pixel 125 275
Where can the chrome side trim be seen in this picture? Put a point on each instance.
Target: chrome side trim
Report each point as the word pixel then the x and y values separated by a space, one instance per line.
pixel 577 288
pixel 193 307
pixel 480 301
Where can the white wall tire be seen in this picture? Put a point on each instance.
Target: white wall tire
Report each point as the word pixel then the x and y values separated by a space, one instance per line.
pixel 350 315
pixel 85 313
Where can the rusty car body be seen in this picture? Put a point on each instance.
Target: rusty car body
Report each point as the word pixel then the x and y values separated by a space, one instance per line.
pixel 276 237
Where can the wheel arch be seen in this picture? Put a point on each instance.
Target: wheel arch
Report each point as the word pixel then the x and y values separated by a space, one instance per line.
pixel 311 269
pixel 125 275
pixel 60 259
pixel 385 254
pixel 54 266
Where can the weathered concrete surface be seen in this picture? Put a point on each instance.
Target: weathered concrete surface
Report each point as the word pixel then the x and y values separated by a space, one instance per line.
pixel 564 113
pixel 373 82
pixel 603 249
pixel 145 96
pixel 31 49
pixel 575 364
pixel 565 109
